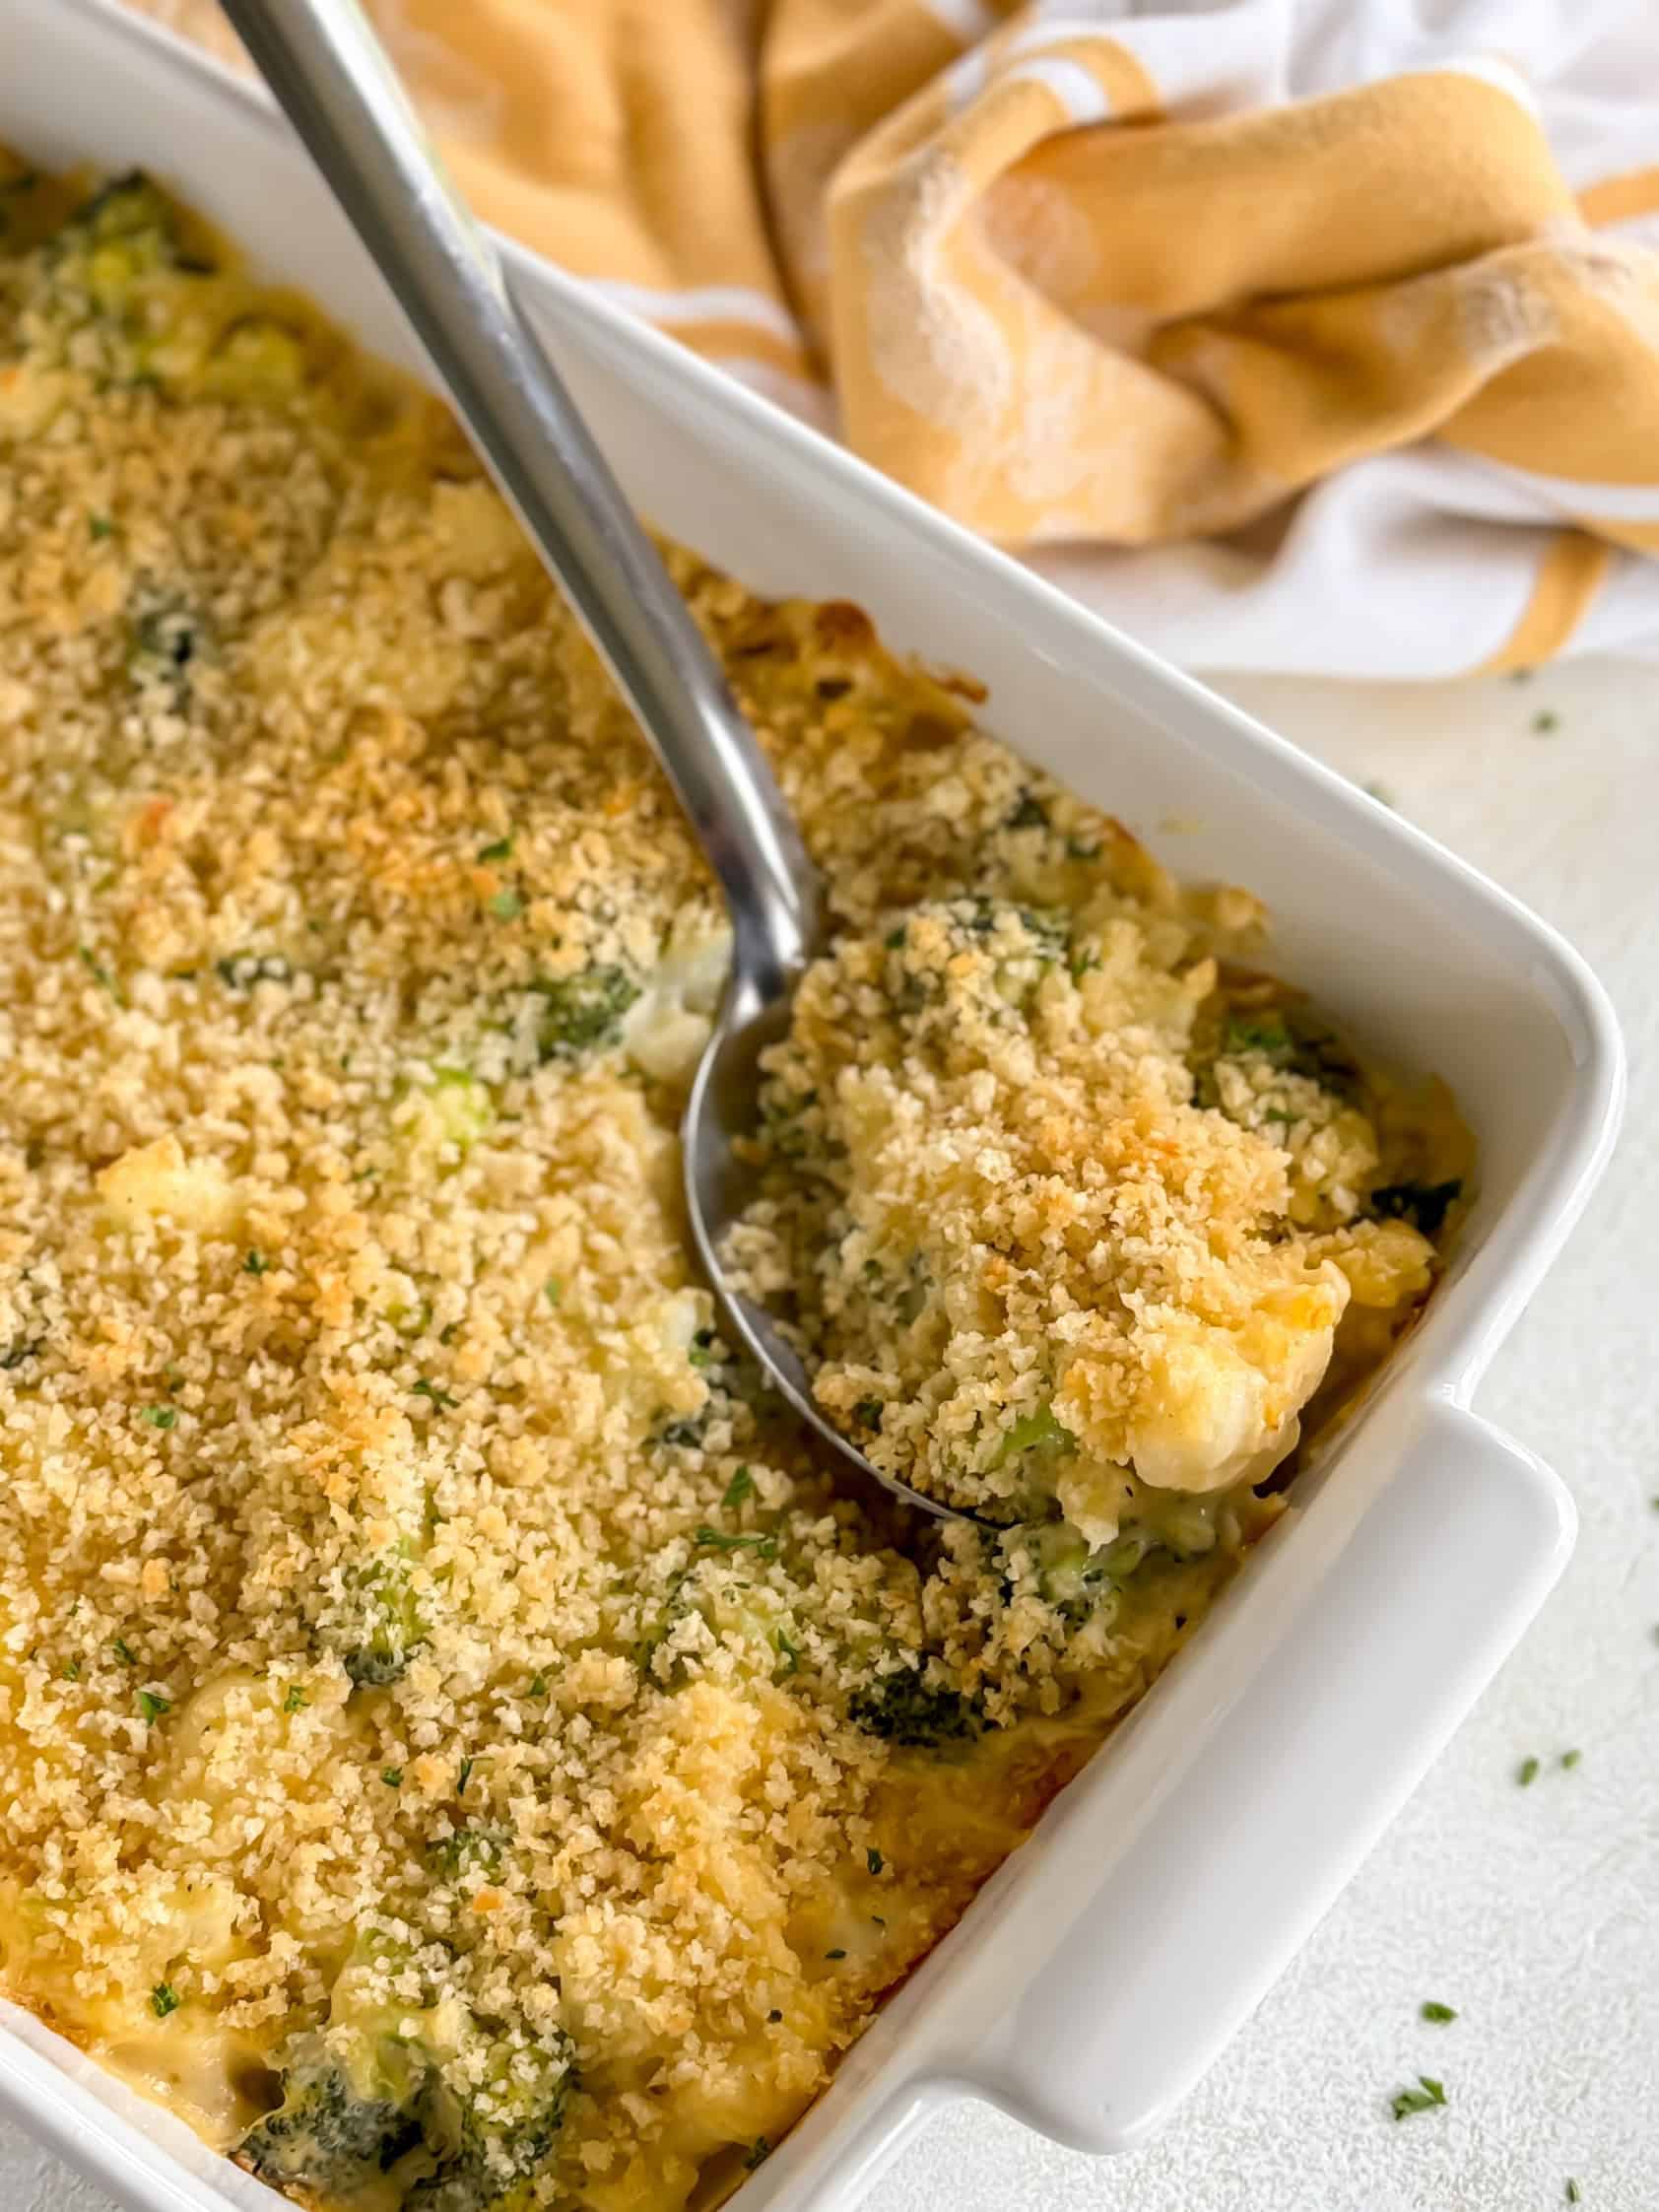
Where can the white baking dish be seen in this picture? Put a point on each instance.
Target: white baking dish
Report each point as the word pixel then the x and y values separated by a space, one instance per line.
pixel 1110 1959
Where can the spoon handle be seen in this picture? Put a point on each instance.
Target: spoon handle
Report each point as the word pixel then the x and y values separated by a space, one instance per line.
pixel 330 75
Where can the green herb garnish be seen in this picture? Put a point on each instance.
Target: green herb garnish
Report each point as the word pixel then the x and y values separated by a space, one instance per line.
pixel 759 2150
pixel 506 906
pixel 98 972
pixel 123 1652
pixel 1545 720
pixel 464 1776
pixel 553 1290
pixel 439 1399
pixel 255 1263
pixel 164 1998
pixel 1428 2093
pixel 741 1486
pixel 296 1699
pixel 1526 1774
pixel 502 850
pixel 1570 1759
pixel 159 1417
pixel 151 1706
pixel 874 1860
pixel 101 527
pixel 715 1540
pixel 392 1776
pixel 1434 2011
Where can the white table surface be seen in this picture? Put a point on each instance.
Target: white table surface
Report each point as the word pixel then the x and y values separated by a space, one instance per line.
pixel 1534 1911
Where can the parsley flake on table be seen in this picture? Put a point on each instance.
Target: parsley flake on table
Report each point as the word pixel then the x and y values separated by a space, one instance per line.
pixel 1433 2010
pixel 1526 1774
pixel 1428 2093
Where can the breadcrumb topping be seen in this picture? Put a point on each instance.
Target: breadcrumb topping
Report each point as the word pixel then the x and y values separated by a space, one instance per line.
pixel 459 1749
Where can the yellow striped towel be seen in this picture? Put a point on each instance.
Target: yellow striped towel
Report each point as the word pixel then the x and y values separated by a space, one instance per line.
pixel 1288 333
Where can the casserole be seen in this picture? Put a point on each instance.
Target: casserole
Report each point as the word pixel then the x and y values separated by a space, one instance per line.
pixel 1417 1566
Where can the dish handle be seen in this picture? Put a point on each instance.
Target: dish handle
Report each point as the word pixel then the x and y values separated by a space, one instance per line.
pixel 1180 1884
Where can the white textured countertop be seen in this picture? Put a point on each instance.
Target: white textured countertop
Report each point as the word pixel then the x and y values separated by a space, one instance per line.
pixel 1535 1911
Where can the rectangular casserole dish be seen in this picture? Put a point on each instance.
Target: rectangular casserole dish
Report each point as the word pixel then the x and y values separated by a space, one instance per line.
pixel 1108 1960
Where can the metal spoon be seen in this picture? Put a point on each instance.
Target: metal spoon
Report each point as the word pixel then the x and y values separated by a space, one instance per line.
pixel 327 69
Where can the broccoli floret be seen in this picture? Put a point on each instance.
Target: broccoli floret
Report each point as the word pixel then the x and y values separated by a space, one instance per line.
pixel 1041 1432
pixel 331 2134
pixel 121 268
pixel 239 971
pixel 781 1119
pixel 126 229
pixel 380 1623
pixel 1293 1040
pixel 469 1850
pixel 1027 813
pixel 1424 1205
pixel 905 1708
pixel 1070 1577
pixel 166 637
pixel 583 1012
pixel 502 2131
pixel 724 1379
pixel 257 359
pixel 464 1106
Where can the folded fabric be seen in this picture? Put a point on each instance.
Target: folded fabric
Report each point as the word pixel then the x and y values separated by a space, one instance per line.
pixel 1318 336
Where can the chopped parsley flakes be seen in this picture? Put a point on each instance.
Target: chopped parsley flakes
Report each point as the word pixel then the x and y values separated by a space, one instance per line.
pixel 1423 2099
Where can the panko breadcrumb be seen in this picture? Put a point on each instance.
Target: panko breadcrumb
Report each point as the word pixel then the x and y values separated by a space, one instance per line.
pixel 460 1753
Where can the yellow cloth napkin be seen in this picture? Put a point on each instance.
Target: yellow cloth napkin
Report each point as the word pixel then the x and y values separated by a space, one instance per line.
pixel 1107 277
